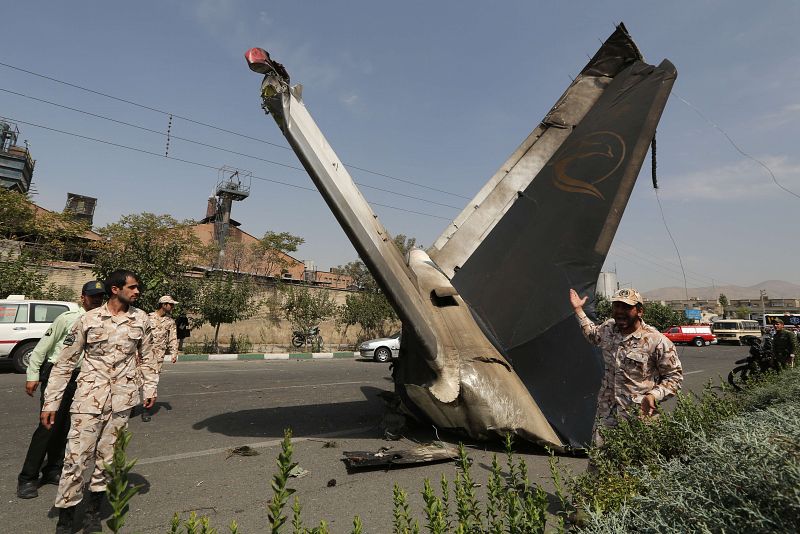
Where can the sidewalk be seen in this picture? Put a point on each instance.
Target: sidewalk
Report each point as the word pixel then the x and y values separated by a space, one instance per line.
pixel 260 356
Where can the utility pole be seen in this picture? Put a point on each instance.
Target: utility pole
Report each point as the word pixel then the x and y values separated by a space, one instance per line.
pixel 763 307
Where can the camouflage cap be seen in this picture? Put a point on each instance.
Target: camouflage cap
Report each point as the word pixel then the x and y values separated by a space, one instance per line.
pixel 166 299
pixel 629 296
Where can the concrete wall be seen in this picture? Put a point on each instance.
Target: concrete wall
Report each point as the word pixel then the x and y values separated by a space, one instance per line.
pixel 271 334
pixel 266 334
pixel 70 274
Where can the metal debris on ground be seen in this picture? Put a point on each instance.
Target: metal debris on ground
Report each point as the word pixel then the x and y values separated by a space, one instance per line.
pixel 244 450
pixel 385 456
pixel 331 482
pixel 298 472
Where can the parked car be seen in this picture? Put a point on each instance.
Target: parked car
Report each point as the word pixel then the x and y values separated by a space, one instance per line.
pixel 382 349
pixel 697 335
pixel 23 323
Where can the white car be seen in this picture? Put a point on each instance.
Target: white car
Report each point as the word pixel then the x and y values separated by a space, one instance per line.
pixel 23 323
pixel 382 349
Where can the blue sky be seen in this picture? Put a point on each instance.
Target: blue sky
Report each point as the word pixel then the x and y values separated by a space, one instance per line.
pixel 439 93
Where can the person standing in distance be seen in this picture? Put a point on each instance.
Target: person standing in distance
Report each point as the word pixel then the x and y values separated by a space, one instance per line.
pixel 110 337
pixel 53 441
pixel 784 345
pixel 165 336
pixel 641 365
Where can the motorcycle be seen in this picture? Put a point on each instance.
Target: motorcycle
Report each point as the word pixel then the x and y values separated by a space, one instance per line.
pixel 760 360
pixel 311 337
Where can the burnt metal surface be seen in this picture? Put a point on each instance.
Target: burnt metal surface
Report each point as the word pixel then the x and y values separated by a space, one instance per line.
pixel 489 343
pixel 386 457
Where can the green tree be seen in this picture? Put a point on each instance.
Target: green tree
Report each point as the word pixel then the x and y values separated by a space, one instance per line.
pixel 358 271
pixel 31 238
pixel 371 311
pixel 661 316
pixel 723 300
pixel 224 299
pixel 271 251
pixel 602 307
pixel 404 244
pixel 304 308
pixel 18 276
pixel 742 312
pixel 158 248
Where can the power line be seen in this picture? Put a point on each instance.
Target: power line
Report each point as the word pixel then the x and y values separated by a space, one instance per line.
pixel 661 261
pixel 674 244
pixel 650 264
pixel 207 145
pixel 735 146
pixel 239 134
pixel 670 274
pixel 198 164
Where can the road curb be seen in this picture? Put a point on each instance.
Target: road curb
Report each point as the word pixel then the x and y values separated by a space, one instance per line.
pixel 260 356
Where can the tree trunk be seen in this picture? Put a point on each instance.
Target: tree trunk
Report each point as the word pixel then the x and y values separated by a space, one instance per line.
pixel 216 336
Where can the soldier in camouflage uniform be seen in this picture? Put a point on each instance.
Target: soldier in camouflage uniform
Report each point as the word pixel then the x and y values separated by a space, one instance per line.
pixel 641 365
pixel 109 338
pixel 165 337
pixel 165 334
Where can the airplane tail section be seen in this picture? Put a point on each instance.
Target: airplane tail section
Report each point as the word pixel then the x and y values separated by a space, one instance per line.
pixel 545 222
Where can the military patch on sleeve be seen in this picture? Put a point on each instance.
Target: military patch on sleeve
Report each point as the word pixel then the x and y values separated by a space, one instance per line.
pixel 49 332
pixel 70 339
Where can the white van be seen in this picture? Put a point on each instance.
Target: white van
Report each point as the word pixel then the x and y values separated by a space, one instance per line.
pixel 23 323
pixel 735 330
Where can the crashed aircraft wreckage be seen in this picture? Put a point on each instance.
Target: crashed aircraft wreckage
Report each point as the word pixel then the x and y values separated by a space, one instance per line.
pixel 490 344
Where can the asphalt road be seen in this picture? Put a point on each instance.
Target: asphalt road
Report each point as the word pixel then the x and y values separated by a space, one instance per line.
pixel 207 408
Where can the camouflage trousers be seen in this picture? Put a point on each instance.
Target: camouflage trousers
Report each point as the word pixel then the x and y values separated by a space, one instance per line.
pixel 91 439
pixel 159 356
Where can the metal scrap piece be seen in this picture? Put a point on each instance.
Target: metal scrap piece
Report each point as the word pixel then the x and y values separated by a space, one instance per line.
pixel 426 454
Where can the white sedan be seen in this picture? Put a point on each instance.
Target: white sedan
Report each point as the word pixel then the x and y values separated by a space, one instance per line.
pixel 381 349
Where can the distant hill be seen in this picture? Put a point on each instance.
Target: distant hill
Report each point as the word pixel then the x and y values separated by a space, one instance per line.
pixel 776 289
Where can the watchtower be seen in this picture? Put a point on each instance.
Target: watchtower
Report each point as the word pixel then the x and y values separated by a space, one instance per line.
pixel 16 164
pixel 232 185
pixel 81 207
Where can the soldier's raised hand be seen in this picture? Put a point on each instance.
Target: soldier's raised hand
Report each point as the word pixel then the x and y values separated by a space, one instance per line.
pixel 576 301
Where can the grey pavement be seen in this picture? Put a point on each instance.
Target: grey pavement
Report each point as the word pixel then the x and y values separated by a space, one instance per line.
pixel 207 408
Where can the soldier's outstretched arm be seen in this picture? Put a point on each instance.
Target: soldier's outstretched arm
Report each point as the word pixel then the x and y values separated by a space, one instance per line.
pixel 590 330
pixel 148 366
pixel 62 370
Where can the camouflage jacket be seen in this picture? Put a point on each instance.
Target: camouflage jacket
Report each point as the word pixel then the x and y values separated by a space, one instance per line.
pixel 637 364
pixel 165 335
pixel 110 372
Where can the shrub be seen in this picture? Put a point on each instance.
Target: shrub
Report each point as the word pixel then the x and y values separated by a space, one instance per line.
pixel 745 479
pixel 716 454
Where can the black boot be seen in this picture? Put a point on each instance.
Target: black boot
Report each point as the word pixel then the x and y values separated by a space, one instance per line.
pixel 28 490
pixel 93 519
pixel 66 517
